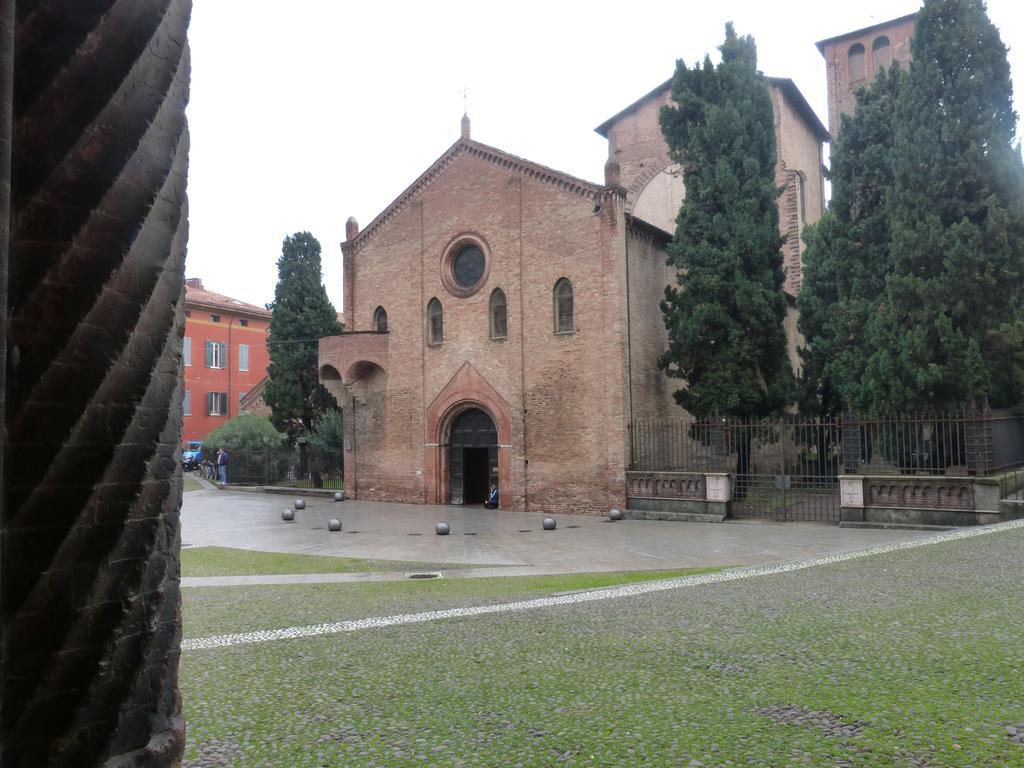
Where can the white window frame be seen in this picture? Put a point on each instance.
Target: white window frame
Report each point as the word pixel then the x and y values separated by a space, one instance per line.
pixel 217 403
pixel 216 354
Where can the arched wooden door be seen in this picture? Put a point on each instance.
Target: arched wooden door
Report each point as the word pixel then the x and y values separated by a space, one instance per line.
pixel 473 457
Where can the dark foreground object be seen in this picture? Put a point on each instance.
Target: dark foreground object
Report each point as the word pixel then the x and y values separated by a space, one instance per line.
pixel 93 162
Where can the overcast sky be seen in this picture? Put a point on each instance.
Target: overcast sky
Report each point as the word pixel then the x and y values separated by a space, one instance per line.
pixel 307 112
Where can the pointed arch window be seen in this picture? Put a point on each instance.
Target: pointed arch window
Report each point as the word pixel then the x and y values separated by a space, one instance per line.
pixel 564 321
pixel 855 58
pixel 380 320
pixel 499 314
pixel 881 52
pixel 435 322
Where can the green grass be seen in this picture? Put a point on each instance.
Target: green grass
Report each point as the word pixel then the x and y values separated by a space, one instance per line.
pixel 912 658
pixel 219 610
pixel 224 561
pixel 188 484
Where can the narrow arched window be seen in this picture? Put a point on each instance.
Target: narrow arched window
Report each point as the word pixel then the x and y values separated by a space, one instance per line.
pixel 563 307
pixel 801 196
pixel 499 314
pixel 380 320
pixel 881 51
pixel 855 58
pixel 435 322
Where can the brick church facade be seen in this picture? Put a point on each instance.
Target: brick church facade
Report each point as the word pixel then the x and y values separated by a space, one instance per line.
pixel 502 319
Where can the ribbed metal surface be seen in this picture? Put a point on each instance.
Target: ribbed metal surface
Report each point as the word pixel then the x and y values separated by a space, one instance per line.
pixel 90 596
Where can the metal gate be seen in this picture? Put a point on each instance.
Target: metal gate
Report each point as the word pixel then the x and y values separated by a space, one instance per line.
pixel 786 469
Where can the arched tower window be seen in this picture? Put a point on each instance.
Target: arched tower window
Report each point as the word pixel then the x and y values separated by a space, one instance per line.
pixel 435 322
pixel 499 314
pixel 564 322
pixel 801 197
pixel 380 320
pixel 882 53
pixel 856 62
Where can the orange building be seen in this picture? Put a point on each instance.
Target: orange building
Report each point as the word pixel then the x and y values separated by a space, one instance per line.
pixel 225 353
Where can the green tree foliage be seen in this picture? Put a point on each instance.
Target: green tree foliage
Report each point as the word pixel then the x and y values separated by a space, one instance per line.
pixel 329 435
pixel 847 257
pixel 243 434
pixel 302 314
pixel 327 447
pixel 724 319
pixel 950 326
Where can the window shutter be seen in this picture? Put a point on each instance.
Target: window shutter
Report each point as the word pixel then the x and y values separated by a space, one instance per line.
pixel 243 357
pixel 187 404
pixel 186 350
pixel 209 354
pixel 223 349
pixel 209 403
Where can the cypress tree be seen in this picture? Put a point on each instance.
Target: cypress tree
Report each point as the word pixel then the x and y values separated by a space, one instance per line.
pixel 950 327
pixel 302 314
pixel 847 257
pixel 724 318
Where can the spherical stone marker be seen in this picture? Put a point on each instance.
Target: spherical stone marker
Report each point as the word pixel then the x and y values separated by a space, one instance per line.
pixel 549 523
pixel 288 515
pixel 300 504
pixel 615 515
pixel 334 524
pixel 339 496
pixel 442 529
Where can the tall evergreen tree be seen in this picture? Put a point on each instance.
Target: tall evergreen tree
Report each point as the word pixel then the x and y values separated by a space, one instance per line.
pixel 302 314
pixel 950 328
pixel 847 257
pixel 724 319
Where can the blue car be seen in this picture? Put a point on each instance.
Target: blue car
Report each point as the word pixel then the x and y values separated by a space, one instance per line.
pixel 192 455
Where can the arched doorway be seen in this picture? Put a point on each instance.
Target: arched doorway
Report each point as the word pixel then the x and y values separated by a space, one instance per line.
pixel 472 457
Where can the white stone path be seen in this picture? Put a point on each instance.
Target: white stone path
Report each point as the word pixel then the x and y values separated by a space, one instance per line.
pixel 608 593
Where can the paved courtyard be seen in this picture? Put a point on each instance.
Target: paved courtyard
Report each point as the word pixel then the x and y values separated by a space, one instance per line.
pixel 502 543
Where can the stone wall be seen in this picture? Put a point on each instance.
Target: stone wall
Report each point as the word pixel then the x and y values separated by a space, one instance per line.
pixel 558 399
pixel 798 170
pixel 651 390
pixel 90 600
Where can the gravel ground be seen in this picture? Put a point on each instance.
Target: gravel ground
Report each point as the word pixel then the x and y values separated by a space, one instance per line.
pixel 912 658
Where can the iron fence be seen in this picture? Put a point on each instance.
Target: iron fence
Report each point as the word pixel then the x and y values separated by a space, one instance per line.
pixel 304 467
pixel 969 441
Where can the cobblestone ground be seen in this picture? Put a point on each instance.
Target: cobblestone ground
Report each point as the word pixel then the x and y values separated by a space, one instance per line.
pixel 911 658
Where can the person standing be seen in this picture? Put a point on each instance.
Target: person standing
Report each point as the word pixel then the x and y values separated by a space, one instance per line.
pixel 222 466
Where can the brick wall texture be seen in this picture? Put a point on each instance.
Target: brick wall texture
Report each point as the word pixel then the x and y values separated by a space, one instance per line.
pixel 561 402
pixel 842 84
